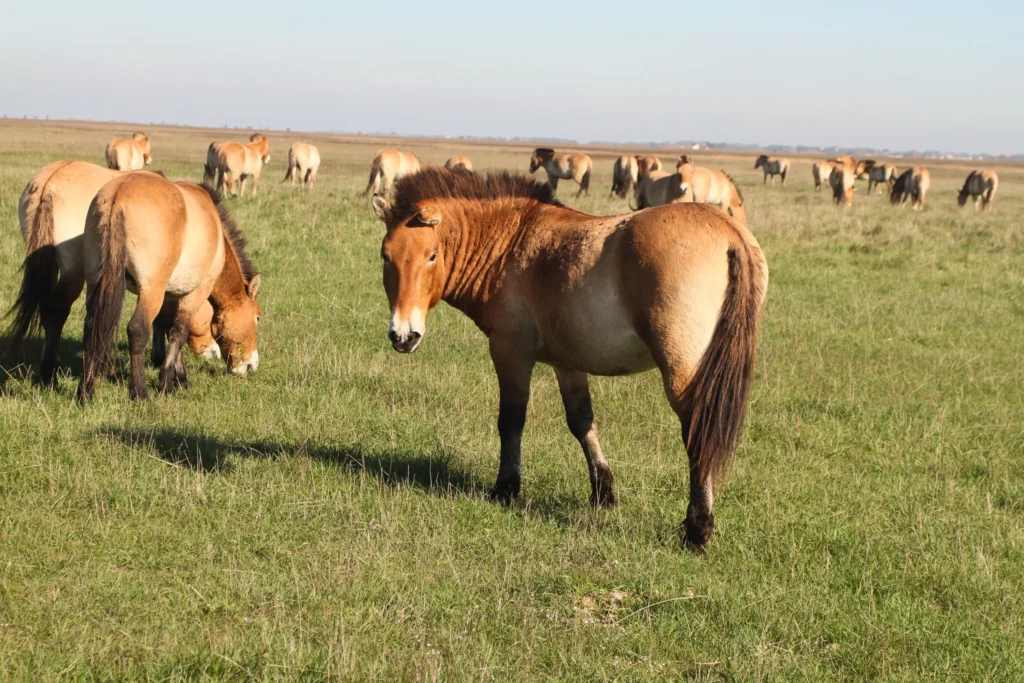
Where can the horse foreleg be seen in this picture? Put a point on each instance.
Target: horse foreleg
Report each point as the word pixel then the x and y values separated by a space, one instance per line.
pixel 53 314
pixel 241 184
pixel 161 326
pixel 514 373
pixel 553 182
pixel 579 415
pixel 255 181
pixel 172 372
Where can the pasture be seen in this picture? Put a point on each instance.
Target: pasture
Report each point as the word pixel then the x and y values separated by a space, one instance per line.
pixel 326 517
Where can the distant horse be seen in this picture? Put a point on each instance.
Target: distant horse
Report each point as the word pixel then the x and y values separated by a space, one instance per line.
pixel 679 288
pixel 52 214
pixel 230 164
pixel 389 165
pixel 647 164
pixel 129 155
pixel 624 175
pixel 876 174
pixel 303 160
pixel 981 186
pixel 658 188
pixel 912 184
pixel 712 187
pixel 558 165
pixel 822 170
pixel 459 160
pixel 772 168
pixel 843 180
pixel 174 246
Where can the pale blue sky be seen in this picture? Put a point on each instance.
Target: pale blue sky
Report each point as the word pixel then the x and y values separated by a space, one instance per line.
pixel 903 75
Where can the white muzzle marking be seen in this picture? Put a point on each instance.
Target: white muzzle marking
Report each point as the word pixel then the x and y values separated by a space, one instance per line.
pixel 401 330
pixel 251 363
pixel 211 352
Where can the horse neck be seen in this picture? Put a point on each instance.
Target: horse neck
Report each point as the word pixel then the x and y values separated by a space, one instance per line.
pixel 229 289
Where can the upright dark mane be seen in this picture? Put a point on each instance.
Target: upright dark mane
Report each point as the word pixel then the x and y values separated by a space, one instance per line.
pixel 440 183
pixel 233 232
pixel 734 185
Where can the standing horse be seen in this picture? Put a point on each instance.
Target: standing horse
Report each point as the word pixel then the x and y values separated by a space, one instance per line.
pixel 52 214
pixel 647 164
pixel 879 174
pixel 304 160
pixel 912 184
pixel 174 246
pixel 235 163
pixel 459 160
pixel 711 187
pixel 980 186
pixel 679 288
pixel 624 175
pixel 129 155
pixel 558 165
pixel 772 168
pixel 843 180
pixel 389 165
pixel 822 170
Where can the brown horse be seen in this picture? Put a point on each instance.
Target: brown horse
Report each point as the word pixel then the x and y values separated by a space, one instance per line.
pixel 389 165
pixel 912 184
pixel 712 187
pixel 459 160
pixel 52 214
pixel 647 164
pixel 679 288
pixel 980 186
pixel 821 171
pixel 173 245
pixel 772 167
pixel 842 179
pixel 624 175
pixel 129 155
pixel 304 161
pixel 235 163
pixel 558 165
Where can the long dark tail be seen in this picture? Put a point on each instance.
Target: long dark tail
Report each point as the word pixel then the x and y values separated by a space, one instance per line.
pixel 585 182
pixel 103 305
pixel 374 171
pixel 289 173
pixel 210 170
pixel 39 272
pixel 719 390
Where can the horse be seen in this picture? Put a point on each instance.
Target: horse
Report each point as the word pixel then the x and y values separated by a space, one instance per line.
pixel 234 163
pixel 389 165
pixel 658 188
pixel 129 155
pixel 459 160
pixel 52 213
pixel 624 175
pixel 821 171
pixel 576 166
pixel 174 245
pixel 711 187
pixel 912 184
pixel 647 164
pixel 679 288
pixel 772 168
pixel 304 160
pixel 879 174
pixel 980 186
pixel 843 180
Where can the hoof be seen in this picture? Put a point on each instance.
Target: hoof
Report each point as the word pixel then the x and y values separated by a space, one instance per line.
pixel 505 491
pixel 603 498
pixel 697 535
pixel 138 394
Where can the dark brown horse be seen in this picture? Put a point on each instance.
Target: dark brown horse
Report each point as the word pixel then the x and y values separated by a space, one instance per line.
pixel 678 288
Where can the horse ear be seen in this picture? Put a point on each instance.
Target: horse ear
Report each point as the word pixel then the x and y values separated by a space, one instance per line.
pixel 253 286
pixel 429 216
pixel 381 208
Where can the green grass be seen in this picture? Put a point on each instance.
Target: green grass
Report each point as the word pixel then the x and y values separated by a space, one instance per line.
pixel 326 517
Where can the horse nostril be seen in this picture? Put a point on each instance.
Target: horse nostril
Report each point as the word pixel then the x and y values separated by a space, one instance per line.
pixel 414 336
pixel 392 336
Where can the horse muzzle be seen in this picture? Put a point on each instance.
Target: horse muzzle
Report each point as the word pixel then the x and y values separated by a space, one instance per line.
pixel 405 343
pixel 250 364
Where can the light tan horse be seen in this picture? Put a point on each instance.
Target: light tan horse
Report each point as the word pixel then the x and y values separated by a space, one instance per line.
pixel 981 186
pixel 230 164
pixel 647 164
pixel 772 167
pixel 303 161
pixel 576 166
pixel 711 187
pixel 459 160
pixel 175 247
pixel 389 165
pixel 624 175
pixel 129 155
pixel 821 171
pixel 912 184
pixel 679 288
pixel 52 214
pixel 658 188
pixel 843 180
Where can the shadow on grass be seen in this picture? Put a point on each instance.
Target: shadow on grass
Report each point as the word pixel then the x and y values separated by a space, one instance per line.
pixel 23 361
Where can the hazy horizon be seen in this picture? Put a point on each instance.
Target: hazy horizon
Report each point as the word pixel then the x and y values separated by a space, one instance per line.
pixel 896 77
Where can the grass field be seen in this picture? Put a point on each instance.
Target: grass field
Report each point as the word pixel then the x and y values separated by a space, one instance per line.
pixel 326 517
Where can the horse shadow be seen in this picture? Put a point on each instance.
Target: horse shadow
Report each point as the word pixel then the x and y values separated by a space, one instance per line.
pixel 22 362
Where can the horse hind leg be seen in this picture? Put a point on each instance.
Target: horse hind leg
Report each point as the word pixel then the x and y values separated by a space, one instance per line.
pixel 575 389
pixel 161 328
pixel 146 311
pixel 53 314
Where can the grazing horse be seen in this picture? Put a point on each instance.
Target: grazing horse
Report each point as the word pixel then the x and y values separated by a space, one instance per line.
pixel 772 168
pixel 459 160
pixel 843 180
pixel 912 184
pixel 390 165
pixel 679 288
pixel 711 187
pixel 304 160
pixel 624 175
pixel 980 186
pixel 558 165
pixel 235 163
pixel 129 155
pixel 822 170
pixel 174 246
pixel 52 214
pixel 647 164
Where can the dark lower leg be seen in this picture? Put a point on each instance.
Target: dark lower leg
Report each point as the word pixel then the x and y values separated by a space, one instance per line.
pixel 161 326
pixel 579 415
pixel 169 372
pixel 53 316
pixel 511 420
pixel 700 522
pixel 138 337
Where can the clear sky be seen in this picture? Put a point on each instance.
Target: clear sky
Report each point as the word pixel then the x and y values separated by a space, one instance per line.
pixel 907 74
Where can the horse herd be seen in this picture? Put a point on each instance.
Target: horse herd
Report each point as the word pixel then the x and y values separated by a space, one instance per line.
pixel 678 287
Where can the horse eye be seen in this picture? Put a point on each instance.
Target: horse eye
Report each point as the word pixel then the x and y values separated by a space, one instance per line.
pixel 385 257
pixel 257 320
pixel 433 257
